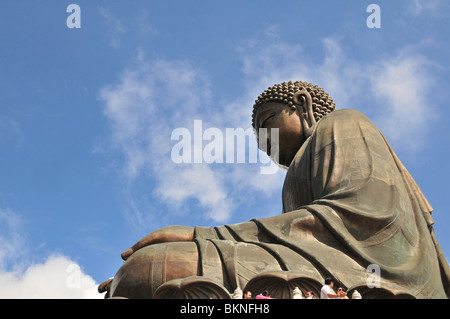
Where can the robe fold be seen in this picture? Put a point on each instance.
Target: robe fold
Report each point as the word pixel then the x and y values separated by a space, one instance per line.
pixel 349 205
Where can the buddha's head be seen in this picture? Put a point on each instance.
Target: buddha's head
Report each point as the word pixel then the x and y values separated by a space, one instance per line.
pixel 294 108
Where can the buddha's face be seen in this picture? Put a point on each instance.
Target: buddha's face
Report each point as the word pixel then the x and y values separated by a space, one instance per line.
pixel 291 134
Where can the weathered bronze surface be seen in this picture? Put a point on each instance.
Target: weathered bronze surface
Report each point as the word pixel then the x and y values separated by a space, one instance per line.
pixel 348 203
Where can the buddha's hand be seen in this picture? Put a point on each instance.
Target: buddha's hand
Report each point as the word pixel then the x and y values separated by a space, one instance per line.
pixel 162 235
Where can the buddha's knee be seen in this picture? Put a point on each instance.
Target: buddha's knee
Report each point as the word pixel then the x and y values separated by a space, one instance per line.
pixel 148 268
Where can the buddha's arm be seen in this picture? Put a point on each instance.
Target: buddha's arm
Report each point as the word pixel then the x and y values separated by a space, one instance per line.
pixel 162 235
pixel 247 231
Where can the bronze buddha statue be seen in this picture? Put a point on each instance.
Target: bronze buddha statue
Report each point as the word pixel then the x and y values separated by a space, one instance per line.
pixel 348 203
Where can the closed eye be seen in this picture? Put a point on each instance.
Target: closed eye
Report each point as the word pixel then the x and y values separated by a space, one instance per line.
pixel 267 119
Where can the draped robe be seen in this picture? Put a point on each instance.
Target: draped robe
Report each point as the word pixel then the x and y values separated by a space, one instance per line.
pixel 349 204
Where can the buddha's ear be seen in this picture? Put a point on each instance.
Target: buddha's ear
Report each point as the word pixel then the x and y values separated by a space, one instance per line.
pixel 302 100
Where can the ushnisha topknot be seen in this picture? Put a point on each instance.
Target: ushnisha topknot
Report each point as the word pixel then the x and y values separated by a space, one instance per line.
pixel 322 103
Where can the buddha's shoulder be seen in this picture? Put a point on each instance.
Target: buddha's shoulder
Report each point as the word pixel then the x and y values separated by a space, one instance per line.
pixel 342 116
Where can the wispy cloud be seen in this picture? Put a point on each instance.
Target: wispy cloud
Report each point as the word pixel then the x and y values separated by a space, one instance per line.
pixel 148 102
pixel 118 28
pixel 13 242
pixel 267 63
pixel 115 26
pixel 394 89
pixel 419 7
pixel 144 24
pixel 10 131
pixel 402 84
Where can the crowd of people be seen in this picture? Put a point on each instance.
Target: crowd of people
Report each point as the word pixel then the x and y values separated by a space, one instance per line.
pixel 326 292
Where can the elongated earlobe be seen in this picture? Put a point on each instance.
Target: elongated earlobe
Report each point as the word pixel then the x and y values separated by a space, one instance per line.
pixel 302 99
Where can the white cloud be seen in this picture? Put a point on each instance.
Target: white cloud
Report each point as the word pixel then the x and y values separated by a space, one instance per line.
pixel 343 78
pixel 21 278
pixel 246 179
pixel 200 182
pixel 271 63
pixel 402 84
pixel 57 278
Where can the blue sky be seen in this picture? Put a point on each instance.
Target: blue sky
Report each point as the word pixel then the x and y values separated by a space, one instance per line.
pixel 86 116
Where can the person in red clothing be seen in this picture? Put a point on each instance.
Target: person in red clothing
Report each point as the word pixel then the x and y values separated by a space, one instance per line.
pixel 264 295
